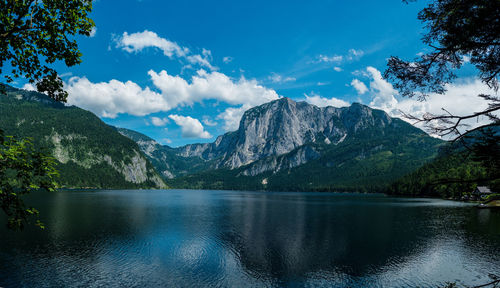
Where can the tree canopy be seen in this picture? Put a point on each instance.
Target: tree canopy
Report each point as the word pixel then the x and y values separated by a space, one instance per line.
pixel 22 170
pixel 458 31
pixel 34 34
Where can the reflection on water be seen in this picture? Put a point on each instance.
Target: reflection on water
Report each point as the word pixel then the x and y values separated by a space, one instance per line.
pixel 227 238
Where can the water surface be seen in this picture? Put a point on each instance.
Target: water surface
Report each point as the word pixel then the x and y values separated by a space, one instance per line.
pixel 194 238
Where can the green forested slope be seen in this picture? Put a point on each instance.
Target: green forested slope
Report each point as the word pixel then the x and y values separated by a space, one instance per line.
pixel 89 152
pixel 457 170
pixel 369 162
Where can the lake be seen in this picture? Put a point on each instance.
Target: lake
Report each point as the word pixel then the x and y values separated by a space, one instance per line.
pixel 195 238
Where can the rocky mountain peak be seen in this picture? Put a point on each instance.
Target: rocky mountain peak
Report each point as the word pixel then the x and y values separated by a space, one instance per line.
pixel 282 125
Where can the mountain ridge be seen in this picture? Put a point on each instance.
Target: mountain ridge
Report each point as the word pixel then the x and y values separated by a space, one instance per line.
pixel 281 137
pixel 89 153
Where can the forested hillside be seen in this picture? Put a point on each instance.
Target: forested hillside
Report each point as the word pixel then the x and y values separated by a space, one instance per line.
pixel 89 152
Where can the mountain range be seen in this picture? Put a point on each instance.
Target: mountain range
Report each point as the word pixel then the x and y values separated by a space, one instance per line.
pixel 280 145
pixel 288 145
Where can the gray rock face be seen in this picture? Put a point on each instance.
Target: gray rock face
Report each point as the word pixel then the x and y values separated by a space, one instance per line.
pixel 301 156
pixel 280 126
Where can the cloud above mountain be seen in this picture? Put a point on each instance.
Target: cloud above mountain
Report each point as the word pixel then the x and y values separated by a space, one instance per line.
pixel 109 99
pixel 190 127
pixel 319 101
pixel 460 98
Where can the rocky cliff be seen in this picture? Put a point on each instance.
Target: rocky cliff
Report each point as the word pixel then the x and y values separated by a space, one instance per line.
pixel 283 125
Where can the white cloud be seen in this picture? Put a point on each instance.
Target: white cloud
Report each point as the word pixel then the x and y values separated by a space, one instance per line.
pixel 207 121
pixel 382 91
pixel 351 55
pixel 227 59
pixel 355 54
pixel 190 127
pixel 328 59
pixel 29 87
pixel 203 60
pixel 232 117
pixel 459 99
pixel 136 42
pixel 338 69
pixel 93 32
pixel 177 91
pixel 108 99
pixel 359 86
pixel 156 121
pixel 276 78
pixel 319 101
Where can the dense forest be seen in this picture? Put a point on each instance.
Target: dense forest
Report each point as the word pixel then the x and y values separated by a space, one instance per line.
pixel 457 170
pixel 82 143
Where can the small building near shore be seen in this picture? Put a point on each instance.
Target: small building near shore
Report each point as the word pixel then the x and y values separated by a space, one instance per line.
pixel 481 192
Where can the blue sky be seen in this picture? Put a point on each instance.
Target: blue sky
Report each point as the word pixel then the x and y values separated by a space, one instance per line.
pixel 184 71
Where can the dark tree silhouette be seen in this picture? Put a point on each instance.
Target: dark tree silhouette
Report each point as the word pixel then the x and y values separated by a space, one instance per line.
pixel 456 30
pixel 33 35
pixel 36 33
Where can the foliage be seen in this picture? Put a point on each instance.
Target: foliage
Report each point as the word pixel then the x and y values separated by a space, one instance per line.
pixel 36 33
pixel 78 136
pixel 486 149
pixel 491 197
pixel 449 176
pixel 458 31
pixel 22 169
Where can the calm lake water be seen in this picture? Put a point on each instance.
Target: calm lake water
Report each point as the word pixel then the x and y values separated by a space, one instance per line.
pixel 189 238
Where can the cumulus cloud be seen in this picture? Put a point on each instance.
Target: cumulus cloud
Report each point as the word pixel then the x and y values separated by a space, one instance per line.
pixel 136 42
pixel 382 91
pixel 232 117
pixel 177 91
pixel 190 127
pixel 108 99
pixel 338 69
pixel 460 99
pixel 156 121
pixel 359 86
pixel 319 101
